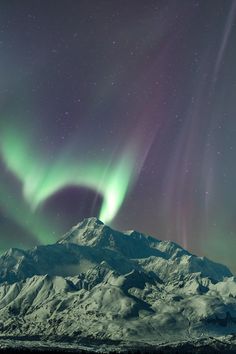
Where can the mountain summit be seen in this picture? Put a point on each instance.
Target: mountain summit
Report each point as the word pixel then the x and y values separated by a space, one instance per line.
pixel 99 283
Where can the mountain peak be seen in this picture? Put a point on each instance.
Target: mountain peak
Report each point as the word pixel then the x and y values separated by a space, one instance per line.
pixel 89 222
pixel 114 282
pixel 85 232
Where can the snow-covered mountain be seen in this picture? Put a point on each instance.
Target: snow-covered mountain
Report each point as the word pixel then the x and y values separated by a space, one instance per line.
pixel 102 284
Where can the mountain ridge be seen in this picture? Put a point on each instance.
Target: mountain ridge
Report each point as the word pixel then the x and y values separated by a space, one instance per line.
pixel 93 234
pixel 101 283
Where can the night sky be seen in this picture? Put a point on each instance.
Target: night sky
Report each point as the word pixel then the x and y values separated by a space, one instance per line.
pixel 124 110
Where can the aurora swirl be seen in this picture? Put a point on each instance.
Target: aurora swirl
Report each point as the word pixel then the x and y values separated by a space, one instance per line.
pixel 124 111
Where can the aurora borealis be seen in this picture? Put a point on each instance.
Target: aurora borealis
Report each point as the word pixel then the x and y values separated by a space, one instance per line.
pixel 123 110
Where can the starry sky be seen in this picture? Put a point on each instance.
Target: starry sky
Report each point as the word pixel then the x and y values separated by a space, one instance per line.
pixel 124 110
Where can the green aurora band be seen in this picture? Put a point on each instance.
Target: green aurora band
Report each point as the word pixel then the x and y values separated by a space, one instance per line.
pixel 41 179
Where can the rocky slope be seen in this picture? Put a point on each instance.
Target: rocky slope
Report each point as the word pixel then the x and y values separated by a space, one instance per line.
pixel 101 284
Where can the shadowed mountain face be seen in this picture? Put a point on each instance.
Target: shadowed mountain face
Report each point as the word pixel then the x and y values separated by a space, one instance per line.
pixel 101 283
